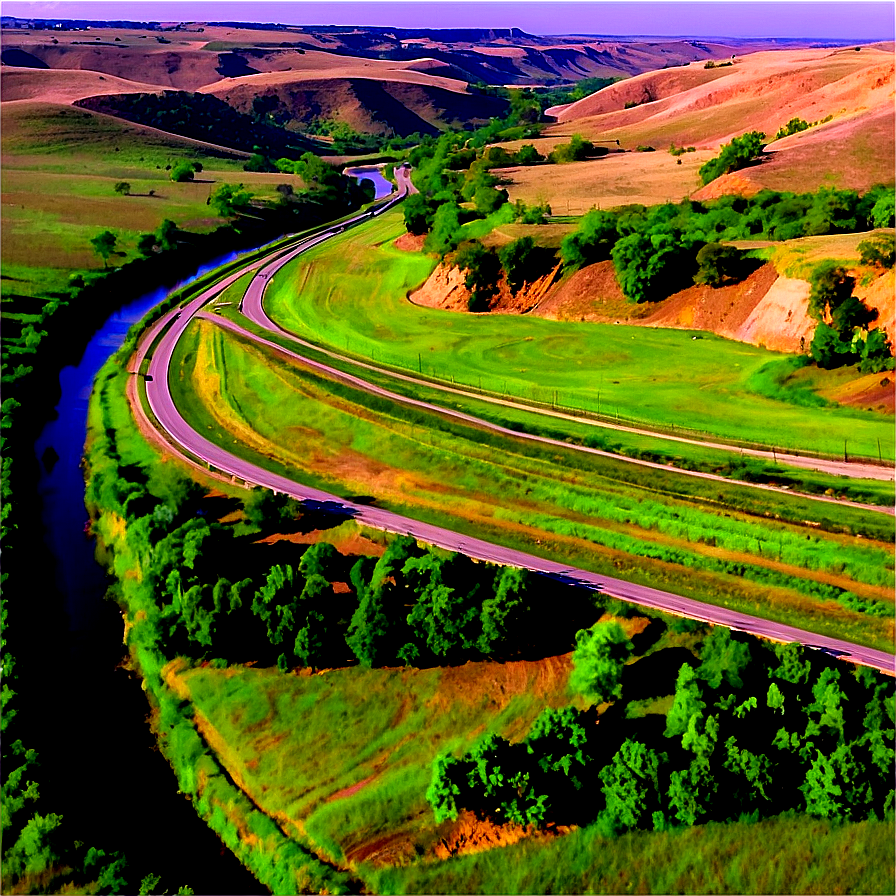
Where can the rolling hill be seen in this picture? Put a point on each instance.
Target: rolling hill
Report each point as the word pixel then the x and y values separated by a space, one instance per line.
pixel 707 107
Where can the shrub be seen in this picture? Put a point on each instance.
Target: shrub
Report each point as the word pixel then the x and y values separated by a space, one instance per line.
pixel 182 172
pixel 734 155
pixel 879 250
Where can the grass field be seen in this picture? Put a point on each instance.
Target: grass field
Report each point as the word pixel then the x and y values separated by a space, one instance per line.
pixel 59 168
pixel 645 178
pixel 350 772
pixel 269 412
pixel 350 294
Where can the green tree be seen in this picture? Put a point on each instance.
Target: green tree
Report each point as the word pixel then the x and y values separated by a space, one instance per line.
pixel 717 264
pixel 631 786
pixel 593 240
pixel 723 658
pixel 883 214
pixel 123 188
pixel 528 155
pixel 879 250
pixel 230 199
pixel 104 245
pixel 503 615
pixel 687 703
pixel 737 154
pixel 482 270
pixel 598 660
pixel 445 233
pixel 519 260
pixel 418 214
pixel 181 172
pixel 445 787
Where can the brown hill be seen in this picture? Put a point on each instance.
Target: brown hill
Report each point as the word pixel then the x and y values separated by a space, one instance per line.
pixel 61 85
pixel 761 92
pixel 377 101
pixel 764 309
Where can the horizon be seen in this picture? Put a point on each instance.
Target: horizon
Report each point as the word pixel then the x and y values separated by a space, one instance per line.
pixel 867 20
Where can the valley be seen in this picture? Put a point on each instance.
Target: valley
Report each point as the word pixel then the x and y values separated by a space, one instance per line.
pixel 526 528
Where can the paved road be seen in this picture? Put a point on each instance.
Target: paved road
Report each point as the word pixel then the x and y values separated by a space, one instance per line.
pixel 171 327
pixel 373 389
pixel 252 307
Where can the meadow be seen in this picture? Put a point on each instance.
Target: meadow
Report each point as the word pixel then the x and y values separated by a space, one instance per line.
pixel 350 295
pixel 351 777
pixel 59 169
pixel 689 539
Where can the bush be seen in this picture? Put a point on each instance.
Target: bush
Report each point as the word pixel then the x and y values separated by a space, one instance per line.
pixel 519 261
pixel 182 172
pixel 482 272
pixel 879 251
pixel 734 155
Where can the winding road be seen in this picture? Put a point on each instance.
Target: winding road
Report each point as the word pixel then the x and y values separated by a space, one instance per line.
pixel 166 332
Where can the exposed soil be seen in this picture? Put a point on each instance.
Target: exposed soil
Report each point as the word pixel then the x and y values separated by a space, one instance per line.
pixel 410 242
pixel 470 835
pixel 590 294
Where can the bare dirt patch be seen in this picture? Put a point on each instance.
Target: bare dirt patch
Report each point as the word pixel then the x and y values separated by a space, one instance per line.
pixel 470 835
pixel 410 242
pixel 590 294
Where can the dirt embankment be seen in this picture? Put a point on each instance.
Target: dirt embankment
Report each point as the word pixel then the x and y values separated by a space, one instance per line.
pixel 763 309
pixel 445 289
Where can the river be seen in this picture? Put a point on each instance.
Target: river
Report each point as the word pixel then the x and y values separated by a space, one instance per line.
pixel 374 174
pixel 99 765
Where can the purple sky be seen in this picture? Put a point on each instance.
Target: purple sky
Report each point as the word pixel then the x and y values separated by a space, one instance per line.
pixel 846 19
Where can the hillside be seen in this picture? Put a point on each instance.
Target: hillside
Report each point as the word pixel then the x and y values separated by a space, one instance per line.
pixel 763 91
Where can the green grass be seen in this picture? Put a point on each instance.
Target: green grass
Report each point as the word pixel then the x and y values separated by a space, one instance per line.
pixel 330 735
pixel 60 166
pixel 325 435
pixel 350 294
pixel 779 855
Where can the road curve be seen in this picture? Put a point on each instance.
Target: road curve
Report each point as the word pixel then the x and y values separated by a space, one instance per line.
pixel 169 329
pixel 373 389
pixel 252 307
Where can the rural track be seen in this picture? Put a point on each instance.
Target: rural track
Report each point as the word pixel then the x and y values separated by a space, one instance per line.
pixel 165 334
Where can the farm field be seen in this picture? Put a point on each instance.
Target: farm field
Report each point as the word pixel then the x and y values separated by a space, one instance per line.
pixel 326 297
pixel 271 413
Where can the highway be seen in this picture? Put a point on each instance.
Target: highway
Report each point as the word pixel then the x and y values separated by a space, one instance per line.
pixel 178 432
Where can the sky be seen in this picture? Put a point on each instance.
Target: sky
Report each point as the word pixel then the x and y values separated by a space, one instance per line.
pixel 844 19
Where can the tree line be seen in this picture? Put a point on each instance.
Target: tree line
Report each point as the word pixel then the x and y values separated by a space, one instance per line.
pixel 754 729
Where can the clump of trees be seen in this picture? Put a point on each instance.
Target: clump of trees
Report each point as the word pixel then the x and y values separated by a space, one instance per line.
pixel 842 336
pixel 753 730
pixel 737 154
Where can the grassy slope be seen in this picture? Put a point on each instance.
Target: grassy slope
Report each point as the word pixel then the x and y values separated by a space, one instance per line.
pixel 350 294
pixel 269 413
pixel 60 166
pixel 350 772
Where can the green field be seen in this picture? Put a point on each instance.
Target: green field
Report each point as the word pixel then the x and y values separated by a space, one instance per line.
pixel 350 773
pixel 590 510
pixel 350 294
pixel 59 168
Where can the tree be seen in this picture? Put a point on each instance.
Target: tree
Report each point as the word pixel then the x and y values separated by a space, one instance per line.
pixel 104 245
pixel 528 155
pixel 593 241
pixel 831 286
pixel 488 199
pixel 418 214
pixel 182 172
pixel 600 654
pixel 688 701
pixel 883 214
pixel 482 270
pixel 723 658
pixel 739 153
pixel 879 250
pixel 445 233
pixel 123 188
pixel 519 260
pixel 503 614
pixel 230 199
pixel 717 264
pixel 631 785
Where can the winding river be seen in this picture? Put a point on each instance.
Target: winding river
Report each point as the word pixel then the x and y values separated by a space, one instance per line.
pixel 100 766
pixel 99 763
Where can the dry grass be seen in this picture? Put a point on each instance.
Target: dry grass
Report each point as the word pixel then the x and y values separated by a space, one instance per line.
pixel 647 178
